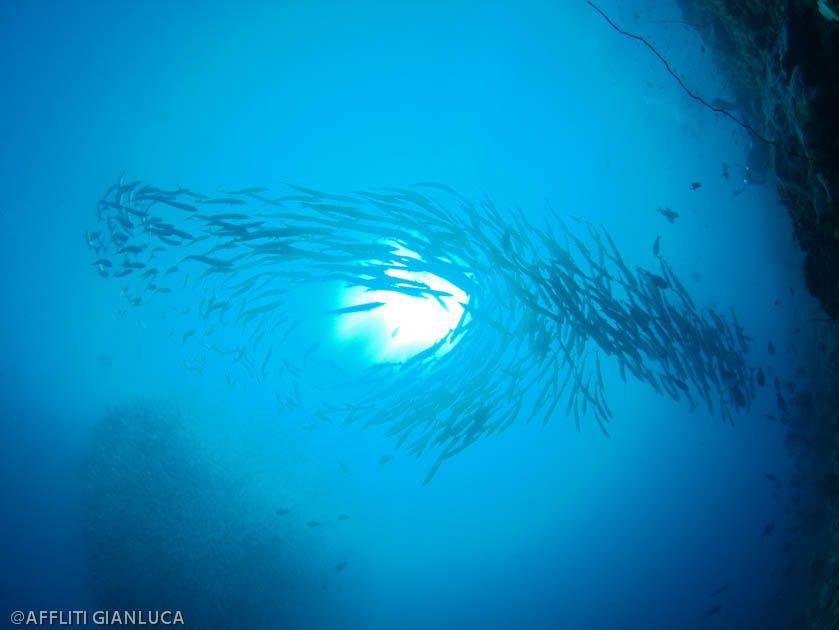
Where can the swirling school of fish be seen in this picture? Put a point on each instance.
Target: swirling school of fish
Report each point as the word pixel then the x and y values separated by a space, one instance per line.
pixel 546 304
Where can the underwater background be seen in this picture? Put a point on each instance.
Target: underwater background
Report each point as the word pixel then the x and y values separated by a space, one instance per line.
pixel 125 468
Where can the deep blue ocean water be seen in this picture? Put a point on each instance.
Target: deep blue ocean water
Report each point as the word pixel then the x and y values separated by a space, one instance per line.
pixel 537 528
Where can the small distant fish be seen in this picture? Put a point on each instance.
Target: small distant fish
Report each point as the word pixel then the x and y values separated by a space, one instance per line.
pixel 656 245
pixel 343 517
pixel 771 478
pixel 722 589
pixel 227 200
pixel 782 404
pixel 314 524
pixel 669 214
pixel 771 348
pixel 358 308
pixel 711 611
pixel 245 191
pixel 340 566
pixel 769 416
pixel 344 468
pixel 209 260
pixel 187 191
pixel 283 512
pixel 323 417
pixel 761 377
pixel 695 185
pixel 384 459
pixel 768 530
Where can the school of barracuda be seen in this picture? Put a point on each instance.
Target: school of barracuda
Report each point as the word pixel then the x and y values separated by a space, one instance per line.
pixel 547 305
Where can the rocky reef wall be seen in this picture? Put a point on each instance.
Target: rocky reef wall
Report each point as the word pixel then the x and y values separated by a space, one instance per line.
pixel 781 59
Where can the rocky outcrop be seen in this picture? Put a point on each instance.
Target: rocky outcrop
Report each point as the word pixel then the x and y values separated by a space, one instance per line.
pixel 782 59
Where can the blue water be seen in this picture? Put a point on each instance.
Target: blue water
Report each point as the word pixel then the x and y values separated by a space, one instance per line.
pixel 537 528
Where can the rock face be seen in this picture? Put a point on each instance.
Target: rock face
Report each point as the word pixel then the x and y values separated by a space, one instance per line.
pixel 782 57
pixel 172 522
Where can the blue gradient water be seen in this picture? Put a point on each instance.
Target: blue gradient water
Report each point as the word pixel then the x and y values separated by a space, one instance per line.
pixel 540 528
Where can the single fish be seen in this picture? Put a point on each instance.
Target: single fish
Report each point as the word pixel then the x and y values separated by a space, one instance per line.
pixel 669 214
pixel 209 260
pixel 358 308
pixel 233 201
pixel 192 194
pixel 229 216
pixel 175 204
pixel 246 191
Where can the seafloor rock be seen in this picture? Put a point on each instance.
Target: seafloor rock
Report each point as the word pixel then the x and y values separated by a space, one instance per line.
pixel 173 520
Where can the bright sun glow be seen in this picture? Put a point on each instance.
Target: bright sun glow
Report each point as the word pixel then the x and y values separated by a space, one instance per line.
pixel 404 325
